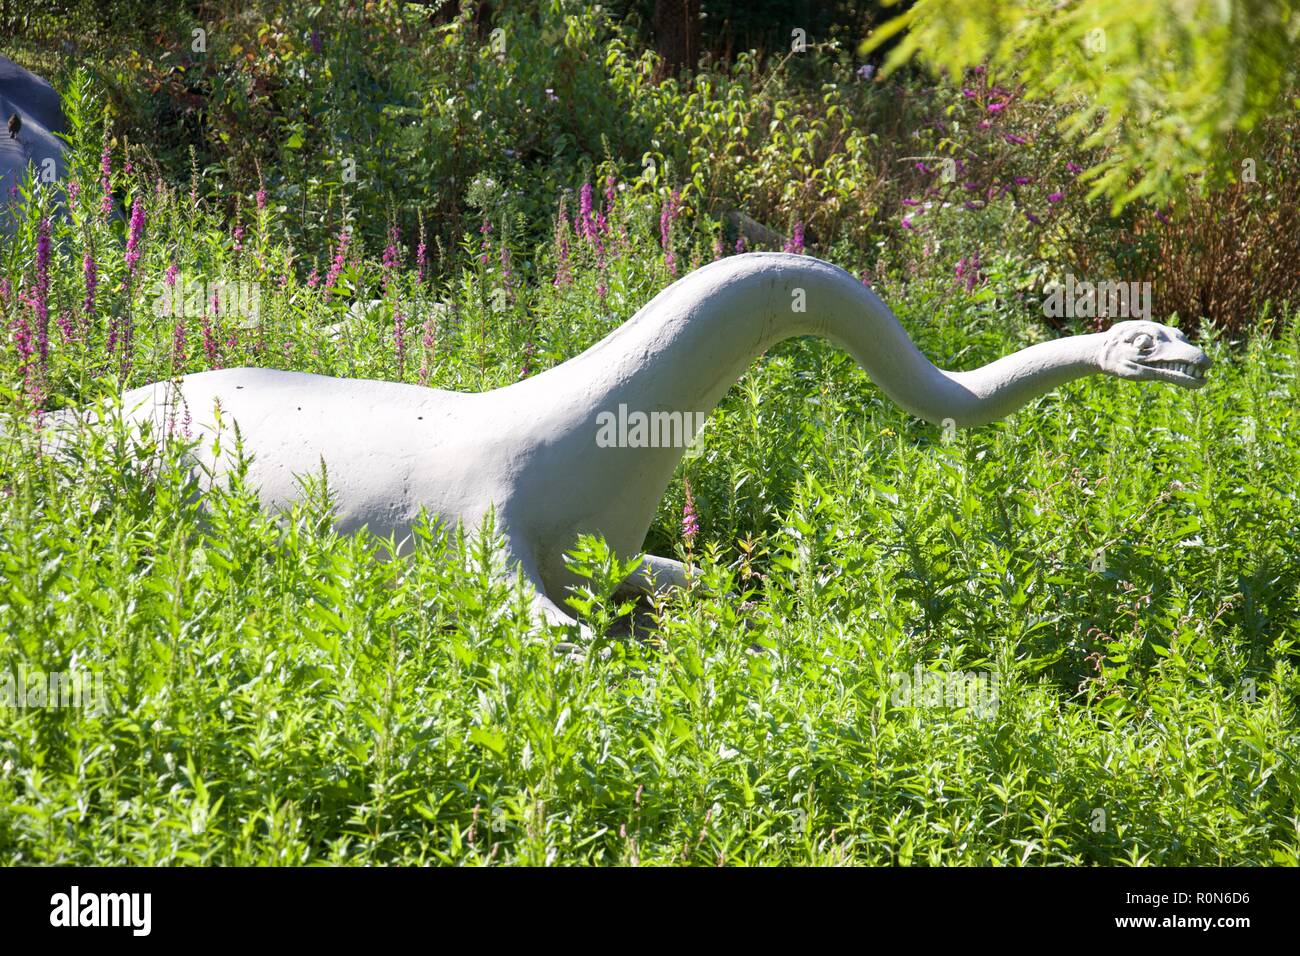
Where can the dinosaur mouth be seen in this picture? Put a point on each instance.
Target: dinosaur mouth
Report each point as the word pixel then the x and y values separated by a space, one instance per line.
pixel 1184 373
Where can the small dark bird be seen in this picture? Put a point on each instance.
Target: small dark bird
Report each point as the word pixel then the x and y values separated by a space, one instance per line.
pixel 15 124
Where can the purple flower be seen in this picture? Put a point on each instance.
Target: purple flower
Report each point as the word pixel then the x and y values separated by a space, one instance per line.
pixel 968 272
pixel 1072 167
pixel 795 242
pixel 169 279
pixel 211 334
pixel 1032 218
pixel 40 296
pixel 911 202
pixel 392 258
pixel 527 369
pixel 21 333
pixel 997 107
pixel 485 244
pixel 506 271
pixel 421 256
pixel 907 223
pixel 585 226
pixel 133 237
pixel 690 520
pixel 1015 140
pixel 105 181
pixel 1056 196
pixel 91 273
pixel 1022 180
pixel 427 341
pixel 866 71
pixel 315 41
pixel 340 257
pixel 740 245
pixel 261 198
pixel 611 196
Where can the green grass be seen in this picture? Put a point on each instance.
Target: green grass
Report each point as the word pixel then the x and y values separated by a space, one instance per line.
pixel 279 696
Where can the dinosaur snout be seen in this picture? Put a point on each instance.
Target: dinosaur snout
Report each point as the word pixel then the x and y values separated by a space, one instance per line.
pixel 1183 365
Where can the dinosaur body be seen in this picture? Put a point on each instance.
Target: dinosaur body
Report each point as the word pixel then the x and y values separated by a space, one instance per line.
pixel 533 451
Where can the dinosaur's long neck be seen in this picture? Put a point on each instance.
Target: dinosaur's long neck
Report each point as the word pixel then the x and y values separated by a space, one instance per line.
pixel 684 349
pixel 693 341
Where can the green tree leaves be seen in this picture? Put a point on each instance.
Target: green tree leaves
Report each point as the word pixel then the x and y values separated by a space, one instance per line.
pixel 1168 85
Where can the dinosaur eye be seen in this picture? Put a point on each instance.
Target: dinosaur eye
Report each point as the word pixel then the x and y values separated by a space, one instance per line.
pixel 1144 342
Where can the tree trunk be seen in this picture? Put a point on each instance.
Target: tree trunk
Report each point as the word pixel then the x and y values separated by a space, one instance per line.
pixel 677 36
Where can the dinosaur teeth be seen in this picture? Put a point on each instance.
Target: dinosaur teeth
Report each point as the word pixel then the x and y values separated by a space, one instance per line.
pixel 1182 368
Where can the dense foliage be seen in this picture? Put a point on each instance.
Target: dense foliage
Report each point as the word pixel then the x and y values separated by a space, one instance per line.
pixel 1117 560
pixel 1166 83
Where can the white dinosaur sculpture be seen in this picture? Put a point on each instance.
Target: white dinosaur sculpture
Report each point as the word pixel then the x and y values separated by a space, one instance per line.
pixel 531 450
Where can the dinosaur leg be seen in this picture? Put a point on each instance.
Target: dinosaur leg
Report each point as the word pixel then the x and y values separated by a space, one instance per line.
pixel 656 575
pixel 551 614
pixel 519 560
pixel 548 610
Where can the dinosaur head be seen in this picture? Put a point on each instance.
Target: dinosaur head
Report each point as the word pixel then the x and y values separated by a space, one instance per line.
pixel 1143 351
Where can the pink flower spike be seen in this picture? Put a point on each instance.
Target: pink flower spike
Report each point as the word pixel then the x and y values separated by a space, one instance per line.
pixel 135 232
pixel 690 519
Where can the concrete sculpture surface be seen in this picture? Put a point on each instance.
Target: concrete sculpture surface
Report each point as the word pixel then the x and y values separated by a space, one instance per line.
pixel 543 453
pixel 32 139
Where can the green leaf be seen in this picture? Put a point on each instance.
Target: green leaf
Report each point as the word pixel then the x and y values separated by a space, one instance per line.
pixel 486 738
